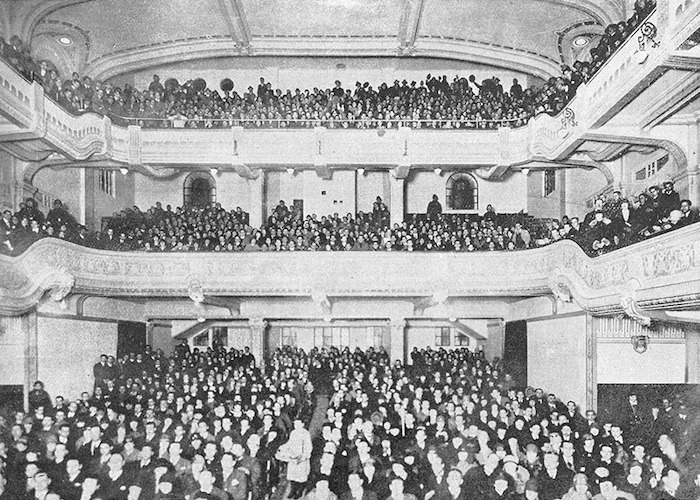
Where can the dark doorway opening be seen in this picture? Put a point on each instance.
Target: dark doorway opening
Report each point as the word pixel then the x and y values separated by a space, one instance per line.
pixel 515 351
pixel 131 337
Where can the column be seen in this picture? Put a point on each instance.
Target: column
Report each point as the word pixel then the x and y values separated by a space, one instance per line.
pixel 31 354
pixel 397 349
pixel 258 329
pixel 256 200
pixel 692 354
pixel 397 207
pixel 591 365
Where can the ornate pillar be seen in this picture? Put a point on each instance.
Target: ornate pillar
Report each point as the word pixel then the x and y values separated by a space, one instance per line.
pixel 397 209
pixel 398 339
pixel 258 329
pixel 591 364
pixel 31 354
pixel 257 197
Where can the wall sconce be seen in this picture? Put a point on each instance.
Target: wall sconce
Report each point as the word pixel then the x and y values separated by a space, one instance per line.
pixel 525 171
pixel 360 171
pixel 437 171
pixel 640 343
pixel 290 171
pixel 124 170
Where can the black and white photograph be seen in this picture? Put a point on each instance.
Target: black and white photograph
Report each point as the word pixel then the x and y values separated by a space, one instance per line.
pixel 349 250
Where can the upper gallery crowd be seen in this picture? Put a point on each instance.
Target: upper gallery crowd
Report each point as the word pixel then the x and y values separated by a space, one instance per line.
pixel 432 103
pixel 613 223
pixel 211 424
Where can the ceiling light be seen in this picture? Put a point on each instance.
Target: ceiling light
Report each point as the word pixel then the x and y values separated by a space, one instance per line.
pixel 361 171
pixel 581 41
pixel 124 170
pixel 525 171
pixel 64 40
pixel 453 319
pixel 327 319
pixel 290 171
pixel 201 319
pixel 214 171
pixel 437 171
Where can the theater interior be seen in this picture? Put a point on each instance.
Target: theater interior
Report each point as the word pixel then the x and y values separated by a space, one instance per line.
pixel 236 190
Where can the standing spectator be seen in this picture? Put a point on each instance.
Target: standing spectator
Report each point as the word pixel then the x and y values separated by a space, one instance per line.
pixel 38 397
pixel 434 208
pixel 669 199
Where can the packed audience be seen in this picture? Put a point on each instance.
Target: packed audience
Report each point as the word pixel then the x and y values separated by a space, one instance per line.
pixel 212 228
pixel 616 221
pixel 432 103
pixel 613 223
pixel 211 424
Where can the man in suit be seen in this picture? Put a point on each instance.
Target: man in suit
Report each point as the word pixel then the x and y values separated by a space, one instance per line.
pixel 357 490
pixel 553 481
pixel 115 484
pixel 234 480
pixel 688 216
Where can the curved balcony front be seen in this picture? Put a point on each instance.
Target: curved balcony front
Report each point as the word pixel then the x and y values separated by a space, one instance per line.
pixel 660 273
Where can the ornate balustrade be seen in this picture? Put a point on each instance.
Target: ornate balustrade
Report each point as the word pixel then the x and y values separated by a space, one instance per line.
pixel 543 138
pixel 660 273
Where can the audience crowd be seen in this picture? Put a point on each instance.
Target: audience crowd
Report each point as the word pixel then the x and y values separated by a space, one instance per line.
pixel 432 103
pixel 613 223
pixel 213 424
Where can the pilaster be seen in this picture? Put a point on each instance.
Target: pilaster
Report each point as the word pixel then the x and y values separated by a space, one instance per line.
pixel 31 354
pixel 397 209
pixel 258 334
pixel 397 349
pixel 591 365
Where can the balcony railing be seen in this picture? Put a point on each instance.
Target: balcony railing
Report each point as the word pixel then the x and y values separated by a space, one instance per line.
pixel 663 272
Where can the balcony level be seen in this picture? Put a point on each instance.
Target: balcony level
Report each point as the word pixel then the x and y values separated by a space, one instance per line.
pixel 609 116
pixel 654 279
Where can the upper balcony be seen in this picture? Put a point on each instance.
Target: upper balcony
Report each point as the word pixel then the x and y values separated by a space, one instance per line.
pixel 35 127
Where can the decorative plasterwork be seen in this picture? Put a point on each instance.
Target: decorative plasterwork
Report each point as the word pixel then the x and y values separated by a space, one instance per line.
pixel 595 284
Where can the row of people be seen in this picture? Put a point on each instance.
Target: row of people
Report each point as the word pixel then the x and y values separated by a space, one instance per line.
pixel 433 103
pixel 193 427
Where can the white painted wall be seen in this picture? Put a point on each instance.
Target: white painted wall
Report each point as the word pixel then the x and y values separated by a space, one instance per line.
pixel 308 72
pixel 508 195
pixel 662 363
pixel 68 349
pixel 556 356
pixel 231 191
pixel 12 341
pixel 423 336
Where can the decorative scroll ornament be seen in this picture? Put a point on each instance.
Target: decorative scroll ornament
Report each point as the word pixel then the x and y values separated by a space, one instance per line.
pixel 568 122
pixel 629 305
pixel 195 290
pixel 58 282
pixel 559 289
pixel 647 34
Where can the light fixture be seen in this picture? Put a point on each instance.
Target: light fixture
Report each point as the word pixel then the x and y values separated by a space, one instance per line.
pixel 214 171
pixel 201 319
pixel 290 171
pixel 453 319
pixel 124 170
pixel 327 319
pixel 437 171
pixel 525 171
pixel 360 171
pixel 581 41
pixel 65 40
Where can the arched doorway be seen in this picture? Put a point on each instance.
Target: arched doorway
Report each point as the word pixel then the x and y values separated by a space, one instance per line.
pixel 462 193
pixel 199 189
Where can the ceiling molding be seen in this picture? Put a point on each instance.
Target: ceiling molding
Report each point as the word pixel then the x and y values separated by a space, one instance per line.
pixel 185 50
pixel 40 11
pixel 605 11
pixel 410 23
pixel 236 20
